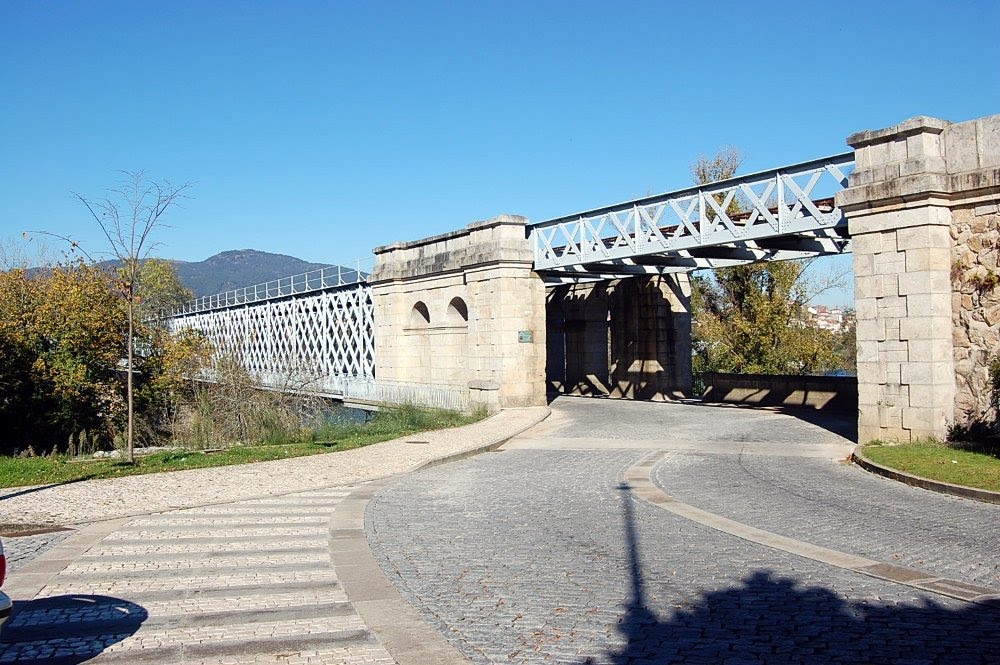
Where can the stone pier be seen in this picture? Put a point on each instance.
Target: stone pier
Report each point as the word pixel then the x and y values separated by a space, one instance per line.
pixel 626 338
pixel 922 206
pixel 463 310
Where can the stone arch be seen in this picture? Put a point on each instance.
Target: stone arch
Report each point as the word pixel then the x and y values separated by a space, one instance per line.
pixel 420 316
pixel 458 312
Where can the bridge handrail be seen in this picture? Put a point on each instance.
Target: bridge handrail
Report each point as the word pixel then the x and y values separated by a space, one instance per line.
pixel 328 277
pixel 776 201
pixel 843 158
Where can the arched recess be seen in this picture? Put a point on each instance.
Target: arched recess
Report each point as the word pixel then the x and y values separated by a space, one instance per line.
pixel 458 312
pixel 420 317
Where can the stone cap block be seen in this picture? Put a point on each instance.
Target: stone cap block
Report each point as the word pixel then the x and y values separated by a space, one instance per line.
pixel 918 125
pixel 499 220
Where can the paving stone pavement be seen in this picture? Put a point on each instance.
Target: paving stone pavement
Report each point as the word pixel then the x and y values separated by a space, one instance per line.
pixel 538 555
pixel 843 507
pixel 23 549
pixel 245 582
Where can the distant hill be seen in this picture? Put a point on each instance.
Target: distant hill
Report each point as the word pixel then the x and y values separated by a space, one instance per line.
pixel 238 268
pixel 233 269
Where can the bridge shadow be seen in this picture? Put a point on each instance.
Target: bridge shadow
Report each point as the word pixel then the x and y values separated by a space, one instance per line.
pixel 834 421
pixel 771 619
pixel 67 629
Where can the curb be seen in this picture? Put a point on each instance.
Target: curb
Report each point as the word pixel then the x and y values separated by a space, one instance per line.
pixel 478 450
pixel 986 496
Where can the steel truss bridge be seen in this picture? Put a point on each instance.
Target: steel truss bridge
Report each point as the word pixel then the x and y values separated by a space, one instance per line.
pixel 316 332
pixel 780 214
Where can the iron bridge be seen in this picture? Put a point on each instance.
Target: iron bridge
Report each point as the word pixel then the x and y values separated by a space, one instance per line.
pixel 315 332
pixel 780 214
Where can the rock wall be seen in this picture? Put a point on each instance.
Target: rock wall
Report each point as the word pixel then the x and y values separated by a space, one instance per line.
pixel 975 277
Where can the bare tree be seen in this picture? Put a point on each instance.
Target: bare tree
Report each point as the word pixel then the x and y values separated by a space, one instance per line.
pixel 128 215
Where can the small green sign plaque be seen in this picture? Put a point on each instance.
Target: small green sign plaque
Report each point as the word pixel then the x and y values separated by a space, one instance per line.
pixel 525 336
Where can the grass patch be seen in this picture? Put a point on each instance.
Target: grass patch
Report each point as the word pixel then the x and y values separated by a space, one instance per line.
pixel 330 437
pixel 938 461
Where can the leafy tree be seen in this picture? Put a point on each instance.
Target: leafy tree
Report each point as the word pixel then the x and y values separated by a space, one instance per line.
pixel 159 290
pixel 749 318
pixel 62 337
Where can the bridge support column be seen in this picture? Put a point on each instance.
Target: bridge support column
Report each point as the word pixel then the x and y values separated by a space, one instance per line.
pixel 627 338
pixel 463 311
pixel 916 186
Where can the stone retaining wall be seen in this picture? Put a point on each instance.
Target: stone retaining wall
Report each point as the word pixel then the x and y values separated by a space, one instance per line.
pixel 975 304
pixel 827 393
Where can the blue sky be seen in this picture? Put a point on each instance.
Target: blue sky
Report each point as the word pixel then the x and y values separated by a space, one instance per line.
pixel 322 129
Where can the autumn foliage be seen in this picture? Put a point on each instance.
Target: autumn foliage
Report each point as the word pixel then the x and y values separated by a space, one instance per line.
pixel 63 339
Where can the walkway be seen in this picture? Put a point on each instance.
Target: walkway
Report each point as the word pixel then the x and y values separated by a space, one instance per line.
pixel 542 554
pixel 234 580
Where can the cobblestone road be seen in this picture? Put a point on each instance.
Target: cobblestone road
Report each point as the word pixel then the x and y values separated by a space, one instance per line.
pixel 538 555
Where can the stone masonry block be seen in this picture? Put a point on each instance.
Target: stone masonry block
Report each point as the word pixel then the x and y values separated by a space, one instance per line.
pixel 926 373
pixel 868 286
pixel 925 281
pixel 928 304
pixel 871 372
pixel 926 327
pixel 866 308
pixel 868 351
pixel 928 258
pixel 925 421
pixel 890 416
pixel 871 330
pixel 960 147
pixel 869 243
pixel 988 140
pixel 930 235
pixel 930 350
pixel 923 145
pixel 864 265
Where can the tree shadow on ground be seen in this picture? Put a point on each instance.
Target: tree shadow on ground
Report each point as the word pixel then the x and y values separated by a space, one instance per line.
pixel 39 488
pixel 68 629
pixel 771 619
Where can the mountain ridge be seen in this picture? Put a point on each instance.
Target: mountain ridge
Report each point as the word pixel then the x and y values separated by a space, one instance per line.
pixel 236 268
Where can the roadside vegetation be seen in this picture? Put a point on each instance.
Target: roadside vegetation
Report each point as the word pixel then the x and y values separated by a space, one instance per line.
pixel 88 366
pixel 941 461
pixel 331 436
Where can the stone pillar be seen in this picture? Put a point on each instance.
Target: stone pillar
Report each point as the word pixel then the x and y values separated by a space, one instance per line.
pixel 626 338
pixel 580 314
pixel 908 182
pixel 651 337
pixel 463 310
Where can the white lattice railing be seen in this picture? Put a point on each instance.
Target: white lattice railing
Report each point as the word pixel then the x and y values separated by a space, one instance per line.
pixel 308 282
pixel 785 201
pixel 327 333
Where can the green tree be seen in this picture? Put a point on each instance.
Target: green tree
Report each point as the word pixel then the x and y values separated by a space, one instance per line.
pixel 748 318
pixel 62 337
pixel 62 344
pixel 159 290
